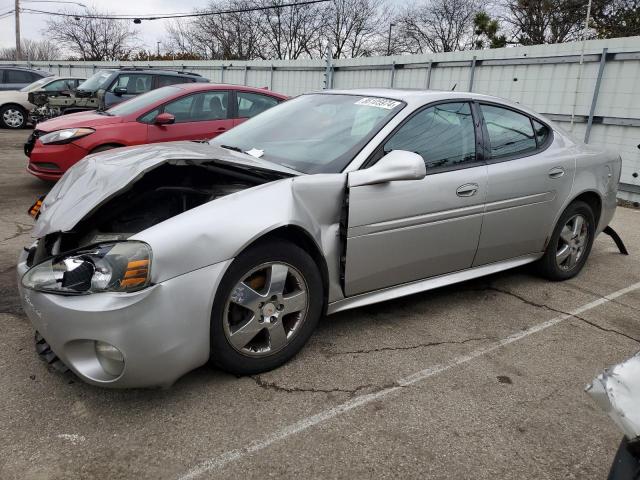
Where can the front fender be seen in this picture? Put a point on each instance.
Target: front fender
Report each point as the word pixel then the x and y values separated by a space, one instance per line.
pixel 222 229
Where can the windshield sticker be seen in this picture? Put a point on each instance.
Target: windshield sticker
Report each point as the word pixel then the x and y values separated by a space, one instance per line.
pixel 378 102
pixel 254 152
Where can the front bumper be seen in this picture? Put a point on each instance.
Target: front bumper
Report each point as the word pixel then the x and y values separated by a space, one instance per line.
pixel 162 331
pixel 50 162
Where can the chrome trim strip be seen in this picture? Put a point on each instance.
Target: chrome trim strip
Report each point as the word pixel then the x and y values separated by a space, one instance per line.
pixel 428 284
pixel 520 201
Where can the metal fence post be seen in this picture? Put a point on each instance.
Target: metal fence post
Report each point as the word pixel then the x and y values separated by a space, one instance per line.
pixel 429 74
pixel 393 74
pixel 328 68
pixel 246 69
pixel 472 73
pixel 221 73
pixel 596 92
pixel 271 78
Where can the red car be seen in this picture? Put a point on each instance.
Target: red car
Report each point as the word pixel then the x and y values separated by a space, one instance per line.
pixel 193 111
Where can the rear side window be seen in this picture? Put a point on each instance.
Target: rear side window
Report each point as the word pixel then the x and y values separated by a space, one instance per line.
pixel 164 80
pixel 541 131
pixel 251 104
pixel 18 76
pixel 443 135
pixel 510 133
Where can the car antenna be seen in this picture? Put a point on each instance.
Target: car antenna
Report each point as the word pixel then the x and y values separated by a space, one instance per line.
pixel 454 87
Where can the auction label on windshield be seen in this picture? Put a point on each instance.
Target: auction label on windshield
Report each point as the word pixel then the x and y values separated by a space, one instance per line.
pixel 378 102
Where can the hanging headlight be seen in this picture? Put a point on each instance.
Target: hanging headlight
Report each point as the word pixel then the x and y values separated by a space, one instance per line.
pixel 65 136
pixel 114 267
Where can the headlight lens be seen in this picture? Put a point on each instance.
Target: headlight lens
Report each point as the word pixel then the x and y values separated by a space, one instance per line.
pixel 113 267
pixel 65 136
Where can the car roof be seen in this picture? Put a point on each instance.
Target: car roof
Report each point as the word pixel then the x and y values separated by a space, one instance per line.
pixel 27 69
pixel 417 97
pixel 225 86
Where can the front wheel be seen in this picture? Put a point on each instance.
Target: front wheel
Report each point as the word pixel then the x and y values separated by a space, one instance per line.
pixel 570 243
pixel 13 116
pixel 266 308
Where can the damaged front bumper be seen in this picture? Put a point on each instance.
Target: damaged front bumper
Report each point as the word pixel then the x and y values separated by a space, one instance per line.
pixel 162 332
pixel 617 392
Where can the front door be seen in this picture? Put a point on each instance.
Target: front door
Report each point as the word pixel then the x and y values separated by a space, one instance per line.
pixel 200 116
pixel 530 177
pixel 403 231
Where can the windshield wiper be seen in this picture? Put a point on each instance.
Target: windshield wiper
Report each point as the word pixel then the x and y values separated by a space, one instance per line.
pixel 231 147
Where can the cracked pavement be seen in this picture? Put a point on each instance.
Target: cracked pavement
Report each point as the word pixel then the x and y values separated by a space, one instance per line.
pixel 516 412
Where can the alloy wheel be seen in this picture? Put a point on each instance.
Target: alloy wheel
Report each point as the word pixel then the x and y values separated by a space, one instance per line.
pixel 13 118
pixel 572 243
pixel 266 309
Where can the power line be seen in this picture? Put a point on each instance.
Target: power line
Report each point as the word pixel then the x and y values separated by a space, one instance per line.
pixel 170 16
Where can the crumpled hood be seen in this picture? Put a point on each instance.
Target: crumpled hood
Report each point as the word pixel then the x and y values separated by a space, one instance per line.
pixel 98 177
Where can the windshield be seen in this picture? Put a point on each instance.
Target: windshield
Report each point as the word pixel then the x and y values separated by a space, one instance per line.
pixel 36 84
pixel 96 81
pixel 143 101
pixel 312 133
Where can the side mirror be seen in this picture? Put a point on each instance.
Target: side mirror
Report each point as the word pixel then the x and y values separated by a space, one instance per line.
pixel 394 166
pixel 120 91
pixel 164 119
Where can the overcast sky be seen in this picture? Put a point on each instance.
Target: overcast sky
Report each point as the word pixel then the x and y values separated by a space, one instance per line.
pixel 150 32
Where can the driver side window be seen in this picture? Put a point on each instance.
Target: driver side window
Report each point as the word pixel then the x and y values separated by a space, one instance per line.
pixel 443 135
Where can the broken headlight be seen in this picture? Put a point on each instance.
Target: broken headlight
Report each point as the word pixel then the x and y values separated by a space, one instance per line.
pixel 65 136
pixel 114 267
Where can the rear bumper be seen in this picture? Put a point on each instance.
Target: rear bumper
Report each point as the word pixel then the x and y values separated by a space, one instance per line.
pixel 162 331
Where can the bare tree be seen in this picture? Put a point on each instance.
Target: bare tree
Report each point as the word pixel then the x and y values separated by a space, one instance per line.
pixel 34 50
pixel 93 38
pixel 438 25
pixel 534 22
pixel 616 18
pixel 288 32
pixel 355 27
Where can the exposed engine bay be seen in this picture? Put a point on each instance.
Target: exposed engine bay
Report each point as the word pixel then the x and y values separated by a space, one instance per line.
pixel 53 104
pixel 160 194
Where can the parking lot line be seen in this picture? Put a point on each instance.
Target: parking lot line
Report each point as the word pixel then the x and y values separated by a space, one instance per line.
pixel 360 400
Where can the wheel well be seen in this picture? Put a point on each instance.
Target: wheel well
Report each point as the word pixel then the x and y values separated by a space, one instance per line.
pixel 594 201
pixel 15 105
pixel 110 145
pixel 301 238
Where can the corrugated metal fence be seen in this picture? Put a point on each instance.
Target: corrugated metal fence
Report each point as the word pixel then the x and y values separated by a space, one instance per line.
pixel 591 89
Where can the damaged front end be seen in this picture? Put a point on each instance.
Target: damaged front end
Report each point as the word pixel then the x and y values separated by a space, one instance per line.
pixel 617 392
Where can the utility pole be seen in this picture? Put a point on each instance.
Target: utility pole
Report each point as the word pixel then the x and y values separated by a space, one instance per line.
pixel 18 46
pixel 391 25
pixel 158 49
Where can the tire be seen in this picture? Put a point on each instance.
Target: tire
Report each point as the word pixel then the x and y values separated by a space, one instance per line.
pixel 13 117
pixel 568 250
pixel 254 328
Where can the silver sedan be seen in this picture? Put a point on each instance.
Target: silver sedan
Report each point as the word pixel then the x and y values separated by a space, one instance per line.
pixel 152 260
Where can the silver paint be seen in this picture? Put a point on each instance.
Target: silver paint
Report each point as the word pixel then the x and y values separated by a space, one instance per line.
pixel 403 236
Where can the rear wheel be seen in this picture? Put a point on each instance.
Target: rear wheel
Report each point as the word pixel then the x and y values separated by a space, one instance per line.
pixel 266 308
pixel 13 116
pixel 570 243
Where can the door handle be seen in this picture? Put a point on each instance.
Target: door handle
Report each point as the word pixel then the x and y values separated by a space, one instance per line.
pixel 221 129
pixel 467 190
pixel 556 172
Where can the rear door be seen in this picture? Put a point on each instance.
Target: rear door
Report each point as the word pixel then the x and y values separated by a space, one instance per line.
pixel 530 177
pixel 199 116
pixel 399 232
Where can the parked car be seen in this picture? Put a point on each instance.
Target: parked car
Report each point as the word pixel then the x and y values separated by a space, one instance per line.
pixel 109 87
pixel 15 78
pixel 15 106
pixel 194 111
pixel 617 392
pixel 152 260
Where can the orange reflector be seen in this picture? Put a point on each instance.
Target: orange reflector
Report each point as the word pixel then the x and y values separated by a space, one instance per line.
pixel 136 273
pixel 137 264
pixel 35 208
pixel 132 282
